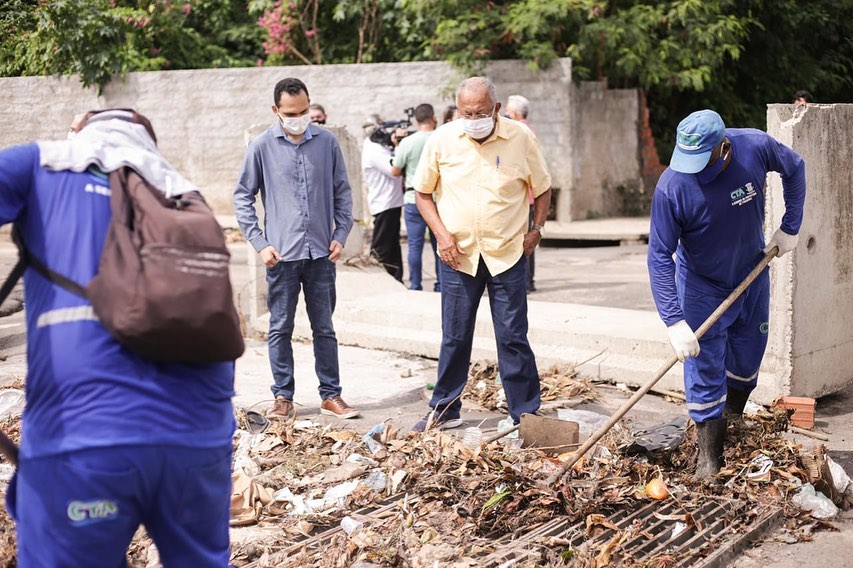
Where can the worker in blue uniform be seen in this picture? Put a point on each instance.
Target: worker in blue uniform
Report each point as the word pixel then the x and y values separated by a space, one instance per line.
pixel 708 211
pixel 110 440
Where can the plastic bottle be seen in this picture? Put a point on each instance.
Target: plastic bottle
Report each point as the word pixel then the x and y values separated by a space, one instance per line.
pixel 350 525
pixel 473 437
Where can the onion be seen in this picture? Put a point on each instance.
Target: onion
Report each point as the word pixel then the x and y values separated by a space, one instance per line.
pixel 656 489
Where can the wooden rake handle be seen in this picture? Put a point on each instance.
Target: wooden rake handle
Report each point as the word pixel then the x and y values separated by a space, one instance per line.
pixel 629 404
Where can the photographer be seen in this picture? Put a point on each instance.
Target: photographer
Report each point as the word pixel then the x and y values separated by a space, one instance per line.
pixel 384 199
pixel 406 160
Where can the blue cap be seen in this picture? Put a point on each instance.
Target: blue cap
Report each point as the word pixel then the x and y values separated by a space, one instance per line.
pixel 695 139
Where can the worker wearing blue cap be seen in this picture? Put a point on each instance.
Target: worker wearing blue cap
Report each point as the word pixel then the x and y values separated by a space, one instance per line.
pixel 708 210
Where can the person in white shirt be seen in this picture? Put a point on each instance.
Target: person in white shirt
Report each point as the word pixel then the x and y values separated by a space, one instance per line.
pixel 385 202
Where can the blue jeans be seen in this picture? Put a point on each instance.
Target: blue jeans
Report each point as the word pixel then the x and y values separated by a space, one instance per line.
pixel 416 229
pixel 82 508
pixel 284 280
pixel 460 298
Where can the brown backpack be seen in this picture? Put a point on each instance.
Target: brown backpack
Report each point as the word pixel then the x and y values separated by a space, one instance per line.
pixel 162 289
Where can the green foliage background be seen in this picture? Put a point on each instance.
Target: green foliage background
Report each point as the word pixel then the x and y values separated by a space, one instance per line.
pixel 731 55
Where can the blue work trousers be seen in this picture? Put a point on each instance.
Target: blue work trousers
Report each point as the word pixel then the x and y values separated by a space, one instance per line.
pixel 416 229
pixel 82 508
pixel 730 352
pixel 284 280
pixel 460 298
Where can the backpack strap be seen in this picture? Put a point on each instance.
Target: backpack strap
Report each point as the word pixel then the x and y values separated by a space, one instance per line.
pixel 25 259
pixel 13 277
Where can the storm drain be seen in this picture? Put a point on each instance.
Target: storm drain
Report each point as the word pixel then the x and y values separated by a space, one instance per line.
pixel 705 536
pixel 377 511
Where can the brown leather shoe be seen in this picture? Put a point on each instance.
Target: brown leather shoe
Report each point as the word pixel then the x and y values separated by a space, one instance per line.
pixel 335 406
pixel 282 408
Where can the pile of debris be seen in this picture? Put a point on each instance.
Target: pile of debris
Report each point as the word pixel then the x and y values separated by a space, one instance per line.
pixel 558 384
pixel 313 494
pixel 321 496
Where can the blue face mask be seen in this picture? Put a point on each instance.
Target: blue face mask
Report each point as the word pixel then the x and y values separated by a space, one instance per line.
pixel 710 173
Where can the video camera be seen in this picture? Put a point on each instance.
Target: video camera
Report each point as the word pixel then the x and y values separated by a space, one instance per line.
pixel 384 131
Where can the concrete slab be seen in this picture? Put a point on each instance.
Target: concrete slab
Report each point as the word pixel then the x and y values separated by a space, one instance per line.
pixel 368 378
pixel 628 229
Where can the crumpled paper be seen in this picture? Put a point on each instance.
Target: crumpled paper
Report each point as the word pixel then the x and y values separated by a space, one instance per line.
pixel 247 500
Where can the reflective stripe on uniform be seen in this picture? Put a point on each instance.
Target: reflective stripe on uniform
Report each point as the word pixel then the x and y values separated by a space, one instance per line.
pixel 66 315
pixel 705 405
pixel 731 375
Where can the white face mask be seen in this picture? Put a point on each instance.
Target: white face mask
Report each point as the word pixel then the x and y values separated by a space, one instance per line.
pixel 478 128
pixel 295 125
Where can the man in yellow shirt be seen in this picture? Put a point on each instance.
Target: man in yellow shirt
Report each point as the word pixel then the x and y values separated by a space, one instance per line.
pixel 480 169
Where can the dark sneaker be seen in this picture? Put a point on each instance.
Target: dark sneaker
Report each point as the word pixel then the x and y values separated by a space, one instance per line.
pixel 434 421
pixel 335 406
pixel 282 408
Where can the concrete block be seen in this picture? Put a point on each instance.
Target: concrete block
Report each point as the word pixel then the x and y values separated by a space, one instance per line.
pixel 811 340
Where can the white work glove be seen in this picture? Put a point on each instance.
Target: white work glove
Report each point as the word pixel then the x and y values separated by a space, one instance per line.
pixel 683 340
pixel 784 241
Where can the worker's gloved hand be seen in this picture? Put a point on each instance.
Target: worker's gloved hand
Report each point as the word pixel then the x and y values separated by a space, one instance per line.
pixel 784 241
pixel 683 340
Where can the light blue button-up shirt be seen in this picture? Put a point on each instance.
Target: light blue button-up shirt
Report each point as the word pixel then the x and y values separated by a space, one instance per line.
pixel 304 189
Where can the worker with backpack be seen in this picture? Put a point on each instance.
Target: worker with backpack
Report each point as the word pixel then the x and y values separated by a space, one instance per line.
pixel 131 338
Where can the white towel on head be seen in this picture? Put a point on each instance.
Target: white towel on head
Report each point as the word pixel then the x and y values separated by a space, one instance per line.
pixel 110 142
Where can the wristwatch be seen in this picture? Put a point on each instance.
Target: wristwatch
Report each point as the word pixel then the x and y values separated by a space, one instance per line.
pixel 540 228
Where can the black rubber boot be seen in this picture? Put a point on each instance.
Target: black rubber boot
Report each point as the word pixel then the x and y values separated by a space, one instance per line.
pixel 735 403
pixel 710 437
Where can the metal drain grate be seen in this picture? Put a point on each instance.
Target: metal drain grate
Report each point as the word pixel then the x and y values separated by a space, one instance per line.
pixel 654 536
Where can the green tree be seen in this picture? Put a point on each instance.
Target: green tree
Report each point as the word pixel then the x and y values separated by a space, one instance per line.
pixel 340 31
pixel 102 39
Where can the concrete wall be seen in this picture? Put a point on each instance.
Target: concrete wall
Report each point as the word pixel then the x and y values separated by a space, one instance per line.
pixel 607 150
pixel 201 116
pixel 811 342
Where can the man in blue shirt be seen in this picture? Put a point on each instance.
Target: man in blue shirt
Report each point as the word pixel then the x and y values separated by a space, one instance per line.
pixel 299 170
pixel 708 210
pixel 110 440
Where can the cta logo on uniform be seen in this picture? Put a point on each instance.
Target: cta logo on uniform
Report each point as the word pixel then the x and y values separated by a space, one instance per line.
pixel 87 512
pixel 743 195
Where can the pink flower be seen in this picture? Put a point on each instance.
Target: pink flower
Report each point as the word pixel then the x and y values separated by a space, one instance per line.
pixel 310 33
pixel 187 9
pixel 260 62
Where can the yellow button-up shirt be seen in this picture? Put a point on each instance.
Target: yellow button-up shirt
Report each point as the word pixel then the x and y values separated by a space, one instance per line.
pixel 481 190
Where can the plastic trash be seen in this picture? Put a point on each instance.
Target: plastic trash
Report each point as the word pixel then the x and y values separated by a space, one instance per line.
pixel 336 496
pixel 473 437
pixel 505 425
pixel 350 525
pixel 752 408
pixel 372 444
pixel 7 470
pixel 759 468
pixel 256 422
pixel 297 502
pixel 840 479
pixel 500 401
pixel 588 422
pixel 817 504
pixel 242 461
pixel 377 480
pixel 360 460
pixel 661 438
pixel 12 402
pixel 678 529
